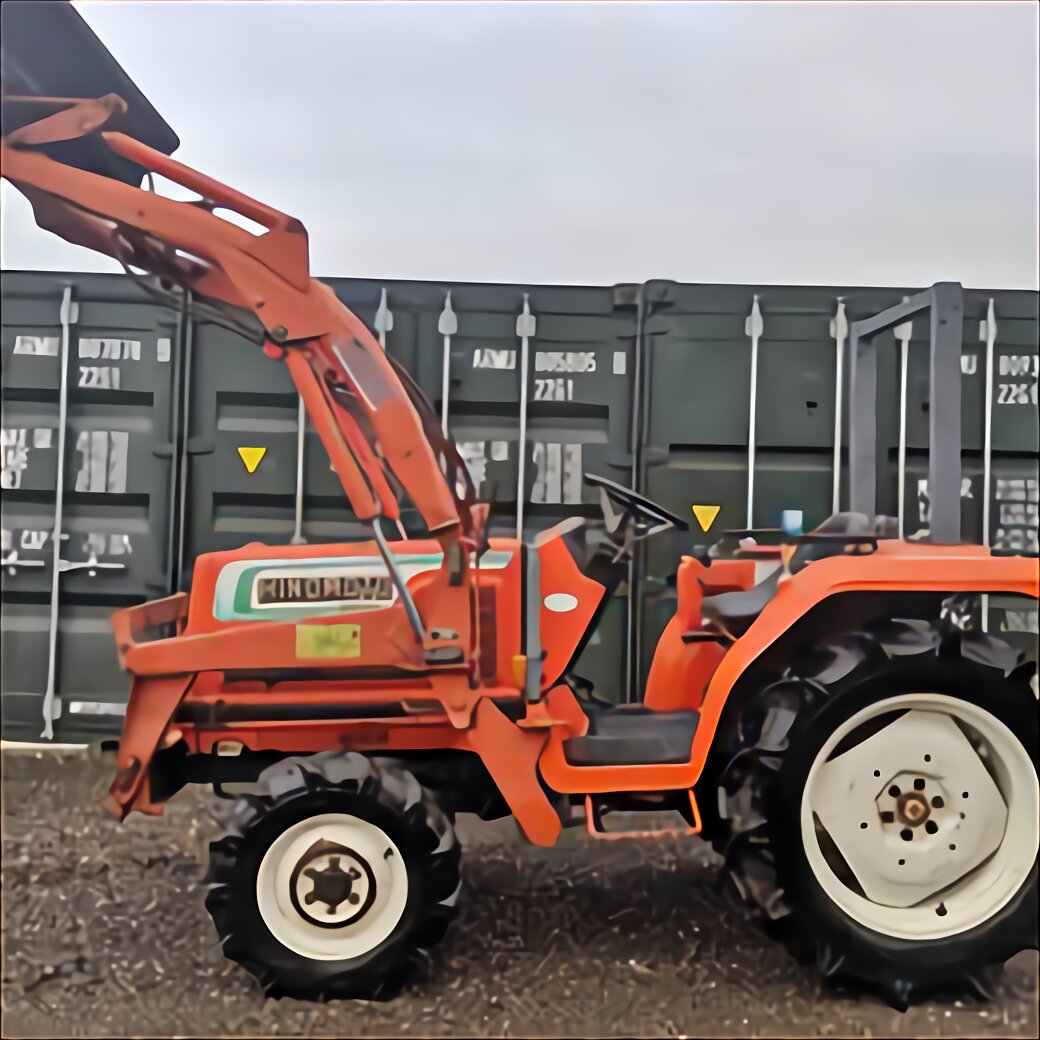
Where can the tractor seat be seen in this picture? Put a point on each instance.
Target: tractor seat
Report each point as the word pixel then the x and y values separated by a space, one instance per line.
pixel 735 611
pixel 632 734
pixel 855 525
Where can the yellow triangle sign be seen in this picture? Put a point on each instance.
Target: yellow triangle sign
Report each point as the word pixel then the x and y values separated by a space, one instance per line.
pixel 705 515
pixel 251 457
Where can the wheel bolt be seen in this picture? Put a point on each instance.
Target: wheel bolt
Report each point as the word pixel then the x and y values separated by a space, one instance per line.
pixel 913 808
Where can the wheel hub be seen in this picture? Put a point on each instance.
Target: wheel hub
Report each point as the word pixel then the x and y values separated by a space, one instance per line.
pixel 331 885
pixel 915 804
pixel 911 809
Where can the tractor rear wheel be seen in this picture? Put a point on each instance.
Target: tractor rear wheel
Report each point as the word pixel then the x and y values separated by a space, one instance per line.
pixel 336 871
pixel 879 809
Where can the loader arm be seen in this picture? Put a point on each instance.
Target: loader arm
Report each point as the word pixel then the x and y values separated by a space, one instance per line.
pixel 365 415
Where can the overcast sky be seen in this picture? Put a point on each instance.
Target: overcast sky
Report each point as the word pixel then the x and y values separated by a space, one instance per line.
pixel 873 144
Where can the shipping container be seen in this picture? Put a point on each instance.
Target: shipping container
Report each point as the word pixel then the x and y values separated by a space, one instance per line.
pixel 90 384
pixel 171 437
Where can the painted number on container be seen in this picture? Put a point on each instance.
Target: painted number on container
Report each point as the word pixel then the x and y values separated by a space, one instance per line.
pixel 99 377
pixel 1027 365
pixel 489 357
pixel 41 346
pixel 565 361
pixel 1018 499
pixel 554 389
pixel 105 377
pixel 110 349
pixel 102 543
pixel 557 468
pixel 27 540
pixel 924 502
pixel 33 540
pixel 15 446
pixel 476 455
pixel 102 461
pixel 15 457
pixel 1017 393
pixel 561 388
pixel 557 473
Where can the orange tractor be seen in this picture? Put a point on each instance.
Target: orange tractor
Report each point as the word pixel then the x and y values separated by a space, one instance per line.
pixel 864 761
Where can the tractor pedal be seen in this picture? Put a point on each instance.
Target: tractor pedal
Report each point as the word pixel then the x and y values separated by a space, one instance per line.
pixel 536 716
pixel 595 829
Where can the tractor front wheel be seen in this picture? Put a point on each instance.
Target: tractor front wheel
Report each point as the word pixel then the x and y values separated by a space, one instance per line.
pixel 880 813
pixel 335 872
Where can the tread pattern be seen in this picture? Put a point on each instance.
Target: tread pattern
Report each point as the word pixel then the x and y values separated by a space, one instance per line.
pixel 759 861
pixel 325 782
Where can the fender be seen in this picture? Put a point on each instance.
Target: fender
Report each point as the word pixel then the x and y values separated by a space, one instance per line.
pixel 895 567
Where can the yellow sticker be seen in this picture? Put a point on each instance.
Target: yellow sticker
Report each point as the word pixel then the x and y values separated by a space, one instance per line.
pixel 251 457
pixel 328 641
pixel 706 515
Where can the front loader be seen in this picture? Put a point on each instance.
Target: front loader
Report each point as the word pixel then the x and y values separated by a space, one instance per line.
pixel 864 761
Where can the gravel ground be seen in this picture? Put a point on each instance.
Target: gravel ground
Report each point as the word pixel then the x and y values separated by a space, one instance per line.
pixel 105 934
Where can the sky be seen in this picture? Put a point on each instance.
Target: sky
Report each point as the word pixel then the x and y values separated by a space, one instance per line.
pixel 841 144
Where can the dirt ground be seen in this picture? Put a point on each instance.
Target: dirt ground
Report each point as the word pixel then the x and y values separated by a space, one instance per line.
pixel 105 934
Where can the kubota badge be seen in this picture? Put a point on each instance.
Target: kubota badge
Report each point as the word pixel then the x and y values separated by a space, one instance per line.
pixel 705 515
pixel 251 457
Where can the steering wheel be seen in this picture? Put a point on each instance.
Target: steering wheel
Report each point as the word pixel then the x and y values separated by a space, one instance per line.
pixel 637 505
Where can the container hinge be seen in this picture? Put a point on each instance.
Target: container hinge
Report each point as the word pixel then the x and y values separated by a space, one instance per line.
pixel 11 563
pixel 91 565
pixel 384 322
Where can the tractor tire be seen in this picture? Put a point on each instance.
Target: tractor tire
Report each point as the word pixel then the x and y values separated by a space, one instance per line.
pixel 336 871
pixel 878 808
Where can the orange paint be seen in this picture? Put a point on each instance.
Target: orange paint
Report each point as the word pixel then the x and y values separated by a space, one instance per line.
pixel 680 672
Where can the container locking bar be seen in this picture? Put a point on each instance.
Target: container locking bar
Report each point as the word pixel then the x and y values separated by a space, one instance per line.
pixel 69 315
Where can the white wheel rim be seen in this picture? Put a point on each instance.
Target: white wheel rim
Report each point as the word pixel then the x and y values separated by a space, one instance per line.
pixel 332 887
pixel 965 857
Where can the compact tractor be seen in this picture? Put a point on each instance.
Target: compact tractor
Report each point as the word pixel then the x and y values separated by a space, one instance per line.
pixel 864 761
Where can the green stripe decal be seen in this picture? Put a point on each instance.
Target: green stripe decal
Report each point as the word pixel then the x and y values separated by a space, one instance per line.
pixel 233 596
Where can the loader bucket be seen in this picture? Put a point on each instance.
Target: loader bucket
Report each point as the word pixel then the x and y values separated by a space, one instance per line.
pixel 47 51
